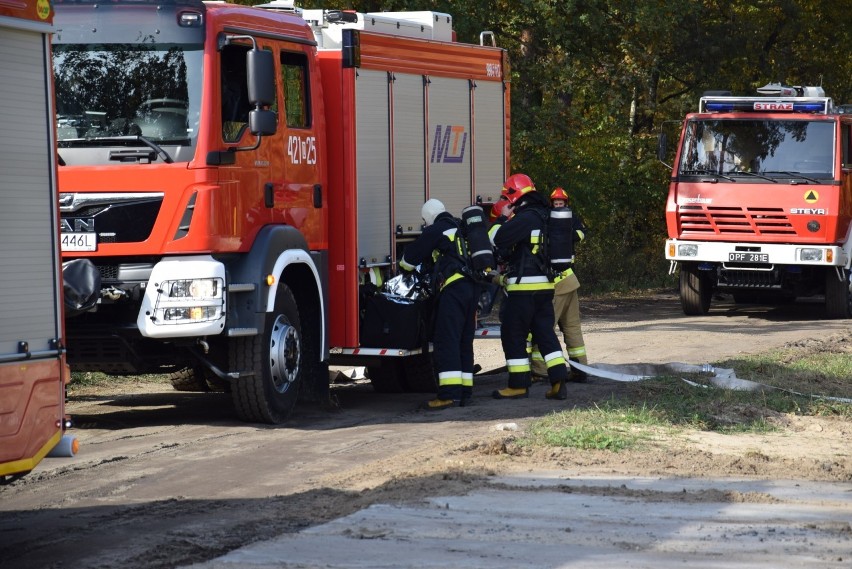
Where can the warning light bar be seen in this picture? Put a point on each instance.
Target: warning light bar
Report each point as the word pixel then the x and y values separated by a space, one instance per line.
pixel 765 104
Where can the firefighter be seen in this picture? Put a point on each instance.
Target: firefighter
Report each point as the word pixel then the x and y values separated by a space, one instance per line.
pixel 529 299
pixel 455 314
pixel 566 303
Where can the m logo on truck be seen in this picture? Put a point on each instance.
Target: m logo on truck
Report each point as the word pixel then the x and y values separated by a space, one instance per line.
pixel 449 145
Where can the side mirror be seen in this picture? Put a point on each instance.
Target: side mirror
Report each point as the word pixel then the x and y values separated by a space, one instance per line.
pixel 260 70
pixel 662 143
pixel 262 123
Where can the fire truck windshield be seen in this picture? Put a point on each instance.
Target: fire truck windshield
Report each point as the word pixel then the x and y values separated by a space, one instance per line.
pixel 127 90
pixel 755 150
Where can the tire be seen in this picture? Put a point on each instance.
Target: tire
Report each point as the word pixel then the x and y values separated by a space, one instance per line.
pixel 696 291
pixel 387 377
pixel 419 374
pixel 189 379
pixel 197 379
pixel 275 361
pixel 838 297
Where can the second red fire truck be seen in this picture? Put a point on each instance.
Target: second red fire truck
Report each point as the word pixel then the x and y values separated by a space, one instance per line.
pixel 760 201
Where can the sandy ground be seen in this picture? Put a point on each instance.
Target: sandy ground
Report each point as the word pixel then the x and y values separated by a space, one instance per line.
pixel 167 479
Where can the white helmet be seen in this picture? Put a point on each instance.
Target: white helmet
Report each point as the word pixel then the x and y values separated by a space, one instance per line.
pixel 430 210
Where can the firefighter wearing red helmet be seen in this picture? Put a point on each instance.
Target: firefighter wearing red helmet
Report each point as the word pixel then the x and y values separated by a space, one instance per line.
pixel 513 188
pixel 528 304
pixel 566 303
pixel 558 198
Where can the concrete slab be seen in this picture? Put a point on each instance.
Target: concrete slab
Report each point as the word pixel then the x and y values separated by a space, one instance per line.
pixel 550 520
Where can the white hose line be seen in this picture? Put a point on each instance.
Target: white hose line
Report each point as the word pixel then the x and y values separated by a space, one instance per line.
pixel 719 377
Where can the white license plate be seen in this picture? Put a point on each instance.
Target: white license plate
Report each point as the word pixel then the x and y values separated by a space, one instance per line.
pixel 79 242
pixel 748 257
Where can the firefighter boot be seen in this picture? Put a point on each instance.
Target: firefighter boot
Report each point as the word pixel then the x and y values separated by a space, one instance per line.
pixel 578 376
pixel 439 404
pixel 558 391
pixel 511 393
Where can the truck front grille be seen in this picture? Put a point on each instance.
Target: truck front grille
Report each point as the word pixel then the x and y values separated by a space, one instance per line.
pixel 708 220
pixel 750 279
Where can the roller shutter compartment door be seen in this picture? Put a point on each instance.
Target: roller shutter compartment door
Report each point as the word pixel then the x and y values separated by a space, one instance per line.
pixel 409 152
pixel 373 163
pixel 490 140
pixel 450 142
pixel 29 309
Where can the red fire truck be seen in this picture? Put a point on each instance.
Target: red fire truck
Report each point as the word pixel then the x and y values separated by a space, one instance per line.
pixel 239 174
pixel 760 201
pixel 33 373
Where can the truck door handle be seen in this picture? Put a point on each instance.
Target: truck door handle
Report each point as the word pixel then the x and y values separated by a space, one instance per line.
pixel 317 196
pixel 269 195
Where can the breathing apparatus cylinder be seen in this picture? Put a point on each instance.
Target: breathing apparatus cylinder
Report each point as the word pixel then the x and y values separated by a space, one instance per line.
pixel 560 238
pixel 479 246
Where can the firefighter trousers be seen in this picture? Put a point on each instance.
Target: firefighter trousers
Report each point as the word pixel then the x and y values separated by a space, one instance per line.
pixel 527 313
pixel 566 308
pixel 452 340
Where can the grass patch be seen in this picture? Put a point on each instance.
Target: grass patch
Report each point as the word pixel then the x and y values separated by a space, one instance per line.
pixel 645 408
pixel 98 379
pixel 610 426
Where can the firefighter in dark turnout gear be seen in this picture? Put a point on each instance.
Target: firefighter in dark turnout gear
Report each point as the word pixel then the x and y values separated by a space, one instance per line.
pixel 566 302
pixel 529 299
pixel 440 244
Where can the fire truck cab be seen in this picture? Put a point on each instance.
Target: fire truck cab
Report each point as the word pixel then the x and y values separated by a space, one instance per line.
pixel 760 200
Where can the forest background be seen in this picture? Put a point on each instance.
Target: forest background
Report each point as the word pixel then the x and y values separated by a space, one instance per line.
pixel 593 82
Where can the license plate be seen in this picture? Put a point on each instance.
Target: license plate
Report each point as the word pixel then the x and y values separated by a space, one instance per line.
pixel 748 257
pixel 79 242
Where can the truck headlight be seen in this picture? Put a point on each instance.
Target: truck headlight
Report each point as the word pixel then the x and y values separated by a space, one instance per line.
pixel 687 250
pixel 191 314
pixel 810 254
pixel 192 288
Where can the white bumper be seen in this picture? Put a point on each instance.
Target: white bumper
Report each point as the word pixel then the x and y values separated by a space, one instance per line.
pixel 185 297
pixel 743 254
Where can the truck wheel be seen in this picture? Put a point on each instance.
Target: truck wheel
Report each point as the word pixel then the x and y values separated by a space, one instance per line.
pixel 419 374
pixel 386 378
pixel 188 379
pixel 275 360
pixel 696 291
pixel 197 379
pixel 838 297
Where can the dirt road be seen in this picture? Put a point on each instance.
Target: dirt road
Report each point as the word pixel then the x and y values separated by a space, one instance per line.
pixel 165 479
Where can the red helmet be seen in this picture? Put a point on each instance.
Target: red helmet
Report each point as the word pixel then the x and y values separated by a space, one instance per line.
pixel 558 194
pixel 516 186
